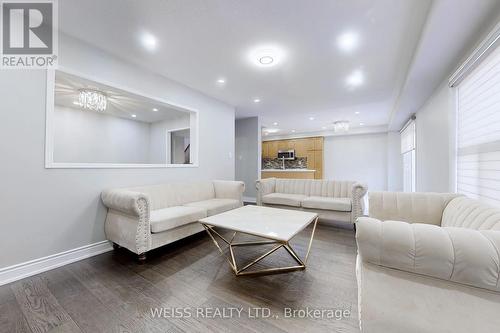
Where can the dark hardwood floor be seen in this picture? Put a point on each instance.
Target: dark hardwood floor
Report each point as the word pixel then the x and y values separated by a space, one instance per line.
pixel 112 293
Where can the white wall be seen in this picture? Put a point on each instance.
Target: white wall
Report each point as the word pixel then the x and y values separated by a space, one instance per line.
pixel 434 125
pixel 248 153
pixel 357 157
pixel 47 211
pixel 394 162
pixel 91 137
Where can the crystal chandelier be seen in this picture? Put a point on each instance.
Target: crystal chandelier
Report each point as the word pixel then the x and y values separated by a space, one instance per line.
pixel 341 126
pixel 93 100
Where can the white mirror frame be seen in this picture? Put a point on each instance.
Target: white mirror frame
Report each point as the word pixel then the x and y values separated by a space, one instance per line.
pixel 49 128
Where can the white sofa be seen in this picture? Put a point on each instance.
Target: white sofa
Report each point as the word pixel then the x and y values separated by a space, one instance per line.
pixel 143 218
pixel 428 262
pixel 330 199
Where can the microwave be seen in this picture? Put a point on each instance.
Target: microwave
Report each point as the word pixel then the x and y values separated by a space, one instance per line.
pixel 286 154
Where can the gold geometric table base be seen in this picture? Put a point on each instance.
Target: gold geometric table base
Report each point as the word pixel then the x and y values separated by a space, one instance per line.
pixel 301 264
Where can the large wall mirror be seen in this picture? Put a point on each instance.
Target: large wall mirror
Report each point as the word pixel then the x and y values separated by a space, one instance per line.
pixel 96 125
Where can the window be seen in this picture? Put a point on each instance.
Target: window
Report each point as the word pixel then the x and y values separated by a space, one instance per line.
pixel 478 132
pixel 408 152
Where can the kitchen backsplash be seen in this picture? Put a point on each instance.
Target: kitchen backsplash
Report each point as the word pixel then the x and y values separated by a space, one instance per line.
pixel 276 163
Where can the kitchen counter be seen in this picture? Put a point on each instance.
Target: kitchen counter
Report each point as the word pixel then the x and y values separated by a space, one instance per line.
pixel 288 173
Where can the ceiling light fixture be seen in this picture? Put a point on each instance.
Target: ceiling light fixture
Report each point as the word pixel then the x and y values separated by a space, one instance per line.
pixel 266 60
pixel 155 109
pixel 133 116
pixel 149 41
pixel 270 130
pixel 293 131
pixel 357 112
pixel 257 100
pixel 311 118
pixel 348 41
pixel 266 56
pixel 355 79
pixel 92 100
pixel 323 128
pixel 221 81
pixel 361 124
pixel 275 124
pixel 341 126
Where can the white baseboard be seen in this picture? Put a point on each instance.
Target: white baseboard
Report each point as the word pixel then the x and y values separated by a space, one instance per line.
pixel 29 268
pixel 249 199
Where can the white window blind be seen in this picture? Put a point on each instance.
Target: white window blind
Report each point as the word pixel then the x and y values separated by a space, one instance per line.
pixel 478 132
pixel 408 152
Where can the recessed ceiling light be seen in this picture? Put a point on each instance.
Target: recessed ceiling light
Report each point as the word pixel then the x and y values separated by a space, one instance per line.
pixel 355 79
pixel 275 124
pixel 257 100
pixel 155 109
pixel 311 118
pixel 293 131
pixel 348 41
pixel 221 81
pixel 133 116
pixel 361 124
pixel 357 112
pixel 266 60
pixel 149 41
pixel 266 56
pixel 324 127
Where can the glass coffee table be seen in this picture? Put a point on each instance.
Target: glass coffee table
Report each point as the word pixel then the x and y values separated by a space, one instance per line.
pixel 276 226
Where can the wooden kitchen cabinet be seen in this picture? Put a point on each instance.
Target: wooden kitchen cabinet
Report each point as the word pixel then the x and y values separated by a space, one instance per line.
pixel 300 147
pixel 273 149
pixel 282 144
pixel 318 143
pixel 265 149
pixel 309 143
pixel 310 148
pixel 318 164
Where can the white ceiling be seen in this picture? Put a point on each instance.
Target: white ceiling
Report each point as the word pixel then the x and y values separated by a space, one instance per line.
pixel 122 104
pixel 201 41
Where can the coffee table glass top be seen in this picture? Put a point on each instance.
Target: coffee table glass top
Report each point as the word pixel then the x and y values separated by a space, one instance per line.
pixel 272 223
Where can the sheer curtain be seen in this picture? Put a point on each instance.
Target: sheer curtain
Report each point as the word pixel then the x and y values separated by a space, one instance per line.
pixel 478 131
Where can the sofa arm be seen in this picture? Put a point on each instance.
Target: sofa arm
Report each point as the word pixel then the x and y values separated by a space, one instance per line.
pixel 227 189
pixel 460 255
pixel 358 204
pixel 409 207
pixel 126 201
pixel 264 186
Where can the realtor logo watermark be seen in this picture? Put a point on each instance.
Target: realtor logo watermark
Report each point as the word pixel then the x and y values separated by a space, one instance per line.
pixel 29 34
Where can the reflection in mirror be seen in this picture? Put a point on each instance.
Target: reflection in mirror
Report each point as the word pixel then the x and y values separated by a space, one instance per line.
pixel 179 146
pixel 92 123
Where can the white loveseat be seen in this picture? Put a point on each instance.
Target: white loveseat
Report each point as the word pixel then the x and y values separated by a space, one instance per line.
pixel 428 262
pixel 143 218
pixel 330 199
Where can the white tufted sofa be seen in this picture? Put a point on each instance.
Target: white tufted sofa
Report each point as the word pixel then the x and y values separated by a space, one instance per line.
pixel 143 218
pixel 428 262
pixel 330 199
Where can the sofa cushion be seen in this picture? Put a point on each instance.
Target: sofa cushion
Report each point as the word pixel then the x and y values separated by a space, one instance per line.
pixel 173 217
pixel 215 206
pixel 176 193
pixel 338 204
pixel 283 199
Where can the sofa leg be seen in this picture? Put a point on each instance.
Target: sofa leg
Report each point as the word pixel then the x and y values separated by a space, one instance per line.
pixel 116 246
pixel 141 258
